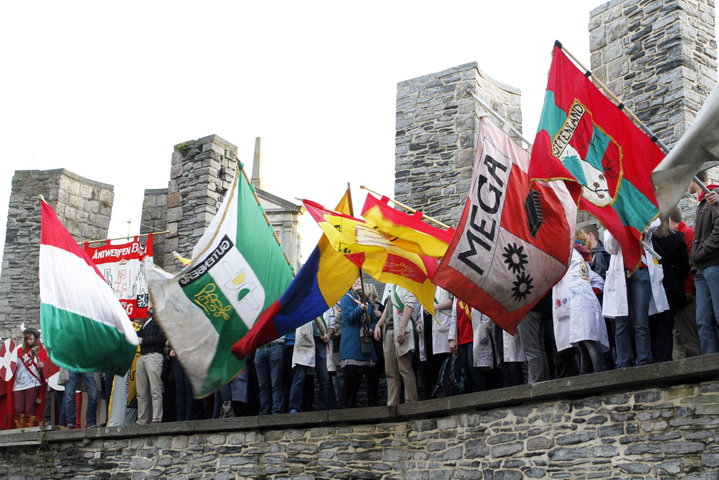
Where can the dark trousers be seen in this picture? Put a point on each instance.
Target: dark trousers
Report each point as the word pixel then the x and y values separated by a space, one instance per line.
pixel 352 378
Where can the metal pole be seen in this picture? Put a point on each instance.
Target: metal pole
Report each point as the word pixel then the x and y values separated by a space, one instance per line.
pixel 499 117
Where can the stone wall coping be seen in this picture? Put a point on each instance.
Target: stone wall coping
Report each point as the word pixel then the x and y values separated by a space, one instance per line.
pixel 156 191
pixel 209 139
pixel 677 372
pixel 459 68
pixel 67 173
pixel 605 6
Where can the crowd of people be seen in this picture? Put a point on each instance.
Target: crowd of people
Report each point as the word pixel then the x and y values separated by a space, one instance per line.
pixel 369 350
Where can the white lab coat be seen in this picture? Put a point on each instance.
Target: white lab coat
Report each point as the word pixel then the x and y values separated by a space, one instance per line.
pixel 304 351
pixel 576 312
pixel 615 285
pixel 442 322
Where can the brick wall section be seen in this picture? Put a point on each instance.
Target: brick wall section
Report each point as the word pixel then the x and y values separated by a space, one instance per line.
pixel 436 131
pixel 83 206
pixel 200 174
pixel 154 219
pixel 655 421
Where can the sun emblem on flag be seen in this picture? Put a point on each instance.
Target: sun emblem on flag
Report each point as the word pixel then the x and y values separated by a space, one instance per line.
pixel 522 286
pixel 514 257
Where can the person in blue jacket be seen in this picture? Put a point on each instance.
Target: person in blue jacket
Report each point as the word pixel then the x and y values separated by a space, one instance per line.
pixel 357 353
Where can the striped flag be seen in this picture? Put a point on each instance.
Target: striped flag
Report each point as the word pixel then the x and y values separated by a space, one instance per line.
pixel 84 327
pixel 238 270
pixel 321 282
pixel 375 254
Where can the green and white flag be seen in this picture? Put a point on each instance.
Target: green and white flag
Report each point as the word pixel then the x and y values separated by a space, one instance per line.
pixel 84 327
pixel 237 270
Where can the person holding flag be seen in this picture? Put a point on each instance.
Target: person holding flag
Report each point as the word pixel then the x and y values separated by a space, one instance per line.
pixel 630 297
pixel 357 353
pixel 397 321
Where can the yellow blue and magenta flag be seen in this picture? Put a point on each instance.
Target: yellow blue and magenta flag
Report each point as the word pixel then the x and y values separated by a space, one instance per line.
pixel 406 231
pixel 321 282
pixel 376 255
pixel 237 271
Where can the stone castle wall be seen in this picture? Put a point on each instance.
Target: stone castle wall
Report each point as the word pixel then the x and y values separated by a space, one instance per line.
pixel 653 422
pixel 84 207
pixel 436 130
pixel 658 56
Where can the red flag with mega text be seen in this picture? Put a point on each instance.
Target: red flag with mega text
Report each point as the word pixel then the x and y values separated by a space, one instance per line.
pixel 514 239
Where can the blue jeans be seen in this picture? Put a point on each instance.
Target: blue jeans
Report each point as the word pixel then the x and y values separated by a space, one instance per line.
pixel 268 365
pixel 328 399
pixel 639 292
pixel 90 388
pixel 707 298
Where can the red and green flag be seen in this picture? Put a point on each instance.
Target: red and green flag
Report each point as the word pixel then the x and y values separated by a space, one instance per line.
pixel 605 158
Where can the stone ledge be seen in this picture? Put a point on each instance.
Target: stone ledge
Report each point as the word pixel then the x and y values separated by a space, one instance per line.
pixel 694 369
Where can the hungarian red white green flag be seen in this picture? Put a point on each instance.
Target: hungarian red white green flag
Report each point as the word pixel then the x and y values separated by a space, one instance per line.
pixel 607 160
pixel 84 327
pixel 514 239
pixel 121 265
pixel 238 270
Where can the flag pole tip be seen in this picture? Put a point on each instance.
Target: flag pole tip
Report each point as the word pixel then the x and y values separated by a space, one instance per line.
pixel 42 199
pixel 557 43
pixel 362 187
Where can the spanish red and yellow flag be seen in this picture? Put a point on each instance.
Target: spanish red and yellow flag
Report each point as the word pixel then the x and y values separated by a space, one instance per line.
pixel 406 231
pixel 375 254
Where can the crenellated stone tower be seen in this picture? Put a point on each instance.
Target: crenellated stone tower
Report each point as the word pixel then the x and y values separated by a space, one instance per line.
pixel 436 131
pixel 83 206
pixel 201 172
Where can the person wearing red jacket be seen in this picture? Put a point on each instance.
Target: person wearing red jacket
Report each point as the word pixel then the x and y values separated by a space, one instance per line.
pixel 26 402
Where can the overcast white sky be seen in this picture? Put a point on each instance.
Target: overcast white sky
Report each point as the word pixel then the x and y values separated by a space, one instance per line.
pixel 106 89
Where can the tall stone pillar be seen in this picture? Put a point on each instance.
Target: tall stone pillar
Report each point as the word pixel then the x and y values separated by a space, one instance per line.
pixel 154 219
pixel 83 206
pixel 200 175
pixel 436 133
